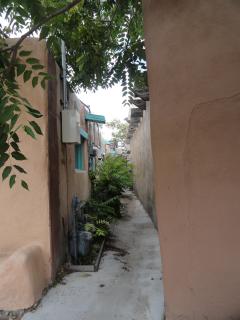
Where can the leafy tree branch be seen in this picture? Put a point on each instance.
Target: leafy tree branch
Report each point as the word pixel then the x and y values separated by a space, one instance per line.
pixel 16 46
pixel 104 46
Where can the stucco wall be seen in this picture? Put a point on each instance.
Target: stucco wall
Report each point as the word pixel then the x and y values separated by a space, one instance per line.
pixel 78 180
pixel 25 215
pixel 141 157
pixel 57 180
pixel 40 218
pixel 194 76
pixel 71 181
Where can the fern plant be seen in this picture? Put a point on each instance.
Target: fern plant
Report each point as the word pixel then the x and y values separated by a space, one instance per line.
pixel 99 227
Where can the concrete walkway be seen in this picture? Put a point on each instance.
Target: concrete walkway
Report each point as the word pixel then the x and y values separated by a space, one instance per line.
pixel 127 286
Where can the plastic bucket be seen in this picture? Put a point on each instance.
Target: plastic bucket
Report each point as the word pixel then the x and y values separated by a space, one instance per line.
pixel 84 242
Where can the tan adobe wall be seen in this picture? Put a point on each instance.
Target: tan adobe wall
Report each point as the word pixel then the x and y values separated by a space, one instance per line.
pixel 141 157
pixel 71 181
pixel 78 180
pixel 194 76
pixel 25 215
pixel 37 221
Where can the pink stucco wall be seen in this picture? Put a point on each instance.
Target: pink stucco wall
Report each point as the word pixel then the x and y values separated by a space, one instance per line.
pixel 25 215
pixel 194 77
pixel 34 224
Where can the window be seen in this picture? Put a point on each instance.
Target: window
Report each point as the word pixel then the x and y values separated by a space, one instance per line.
pixel 79 155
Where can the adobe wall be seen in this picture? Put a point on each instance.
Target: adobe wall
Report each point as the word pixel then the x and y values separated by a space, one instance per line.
pixel 141 157
pixel 78 180
pixel 39 219
pixel 24 214
pixel 64 180
pixel 71 182
pixel 194 77
pixel 58 210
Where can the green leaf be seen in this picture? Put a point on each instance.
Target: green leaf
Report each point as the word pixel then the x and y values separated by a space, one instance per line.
pixel 3 102
pixel 35 115
pixel 9 10
pixel 18 155
pixel 15 146
pixel 17 108
pixel 22 11
pixel 34 81
pixel 20 69
pixel 6 172
pixel 43 84
pixel 44 32
pixel 4 131
pixel 20 169
pixel 43 73
pixel 24 185
pixel 3 137
pixel 36 127
pixel 7 114
pixel 25 101
pixel 29 131
pixel 3 159
pixel 12 180
pixel 32 61
pixel 14 100
pixel 24 53
pixel 15 137
pixel 4 147
pixel 27 75
pixel 14 121
pixel 37 66
pixel 20 20
pixel 34 112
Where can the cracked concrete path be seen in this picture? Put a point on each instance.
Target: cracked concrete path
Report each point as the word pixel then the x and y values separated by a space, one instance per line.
pixel 126 287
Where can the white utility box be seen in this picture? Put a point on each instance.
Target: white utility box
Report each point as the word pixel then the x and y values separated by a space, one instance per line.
pixel 70 126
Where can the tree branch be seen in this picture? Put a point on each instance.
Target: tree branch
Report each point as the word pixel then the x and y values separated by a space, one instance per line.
pixel 58 12
pixel 121 55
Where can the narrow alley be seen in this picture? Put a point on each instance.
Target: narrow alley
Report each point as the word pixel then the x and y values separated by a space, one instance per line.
pixel 128 285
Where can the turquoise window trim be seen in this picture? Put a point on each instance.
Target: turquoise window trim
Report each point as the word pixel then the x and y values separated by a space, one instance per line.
pixel 84 134
pixel 95 118
pixel 79 156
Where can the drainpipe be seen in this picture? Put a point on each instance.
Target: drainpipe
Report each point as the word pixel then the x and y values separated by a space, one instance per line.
pixel 75 204
pixel 88 129
pixel 65 106
pixel 63 54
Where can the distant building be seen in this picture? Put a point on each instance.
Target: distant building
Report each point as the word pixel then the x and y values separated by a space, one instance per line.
pixel 110 147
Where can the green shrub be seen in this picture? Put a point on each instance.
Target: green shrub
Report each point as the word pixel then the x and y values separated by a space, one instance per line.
pixel 113 175
pixel 110 179
pixel 96 208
